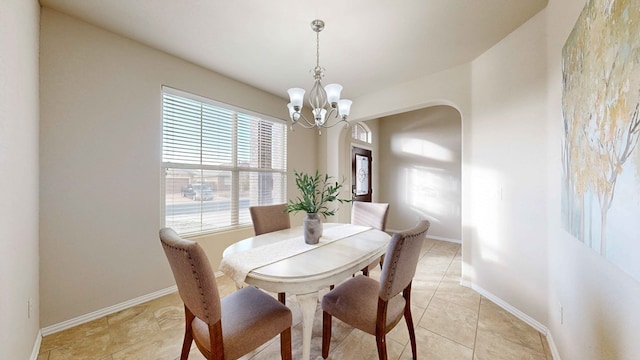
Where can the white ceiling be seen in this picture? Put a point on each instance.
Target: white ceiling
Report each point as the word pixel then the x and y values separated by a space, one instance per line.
pixel 366 44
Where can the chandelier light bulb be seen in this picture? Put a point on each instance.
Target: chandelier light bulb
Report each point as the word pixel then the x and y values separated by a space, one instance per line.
pixel 320 116
pixel 296 95
pixel 333 93
pixel 344 107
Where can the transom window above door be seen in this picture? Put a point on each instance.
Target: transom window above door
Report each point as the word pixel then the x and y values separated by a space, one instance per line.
pixel 361 132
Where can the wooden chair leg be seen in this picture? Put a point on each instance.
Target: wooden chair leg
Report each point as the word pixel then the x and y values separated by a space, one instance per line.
pixel 188 336
pixel 285 344
pixel 282 297
pixel 412 334
pixel 406 293
pixel 381 342
pixel 326 334
pixel 381 320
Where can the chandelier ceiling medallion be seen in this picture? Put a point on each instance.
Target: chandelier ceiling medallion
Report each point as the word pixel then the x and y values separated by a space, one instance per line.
pixel 325 101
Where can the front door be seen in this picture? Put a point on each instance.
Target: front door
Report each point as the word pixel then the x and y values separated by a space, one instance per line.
pixel 361 174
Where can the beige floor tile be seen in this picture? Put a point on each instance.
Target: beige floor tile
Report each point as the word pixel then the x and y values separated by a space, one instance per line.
pixel 453 292
pixel 43 356
pixel 132 327
pixel 435 347
pixel 168 311
pixel 87 341
pixel 84 350
pixel 127 315
pixel 422 292
pixel 452 321
pixel 93 329
pixel 426 246
pixel 493 318
pixel 394 349
pixel 454 271
pixel 445 248
pixel 435 260
pixel 494 346
pixel 357 345
pixel 170 316
pixel 163 345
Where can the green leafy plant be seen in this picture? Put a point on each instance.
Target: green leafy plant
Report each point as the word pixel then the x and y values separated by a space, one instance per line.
pixel 317 193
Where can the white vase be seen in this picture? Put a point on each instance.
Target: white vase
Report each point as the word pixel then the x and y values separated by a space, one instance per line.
pixel 312 228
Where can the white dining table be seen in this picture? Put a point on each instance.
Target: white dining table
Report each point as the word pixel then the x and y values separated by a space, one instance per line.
pixel 283 265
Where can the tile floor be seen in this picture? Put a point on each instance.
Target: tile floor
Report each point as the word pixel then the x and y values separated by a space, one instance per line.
pixel 452 322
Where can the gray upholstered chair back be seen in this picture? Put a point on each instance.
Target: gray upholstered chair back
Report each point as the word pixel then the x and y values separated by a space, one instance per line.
pixel 269 218
pixel 370 214
pixel 194 276
pixel 401 260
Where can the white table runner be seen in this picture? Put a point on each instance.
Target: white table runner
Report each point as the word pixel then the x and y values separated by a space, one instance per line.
pixel 239 264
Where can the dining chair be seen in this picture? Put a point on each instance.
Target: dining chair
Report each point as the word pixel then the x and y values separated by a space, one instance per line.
pixel 376 307
pixel 373 215
pixel 226 328
pixel 270 218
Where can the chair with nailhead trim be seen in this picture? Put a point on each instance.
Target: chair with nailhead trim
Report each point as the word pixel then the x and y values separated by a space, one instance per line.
pixel 225 328
pixel 376 307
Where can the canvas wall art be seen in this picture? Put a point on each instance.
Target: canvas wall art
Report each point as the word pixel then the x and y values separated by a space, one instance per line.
pixel 600 155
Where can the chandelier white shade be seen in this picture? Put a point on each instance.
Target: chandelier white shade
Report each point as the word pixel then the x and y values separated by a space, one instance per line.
pixel 325 101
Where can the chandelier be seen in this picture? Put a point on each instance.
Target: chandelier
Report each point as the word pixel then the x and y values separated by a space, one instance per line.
pixel 325 101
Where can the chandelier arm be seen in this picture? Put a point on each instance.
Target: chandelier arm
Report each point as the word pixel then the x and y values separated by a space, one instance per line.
pixel 346 123
pixel 308 124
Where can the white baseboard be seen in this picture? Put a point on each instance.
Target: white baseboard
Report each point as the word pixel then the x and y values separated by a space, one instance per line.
pixel 552 346
pixel 36 346
pixel 517 313
pixel 456 241
pixel 106 311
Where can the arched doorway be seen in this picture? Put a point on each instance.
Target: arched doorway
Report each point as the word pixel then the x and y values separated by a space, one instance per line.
pixel 417 168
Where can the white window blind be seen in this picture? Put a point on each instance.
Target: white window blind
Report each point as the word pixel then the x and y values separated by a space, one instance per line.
pixel 218 160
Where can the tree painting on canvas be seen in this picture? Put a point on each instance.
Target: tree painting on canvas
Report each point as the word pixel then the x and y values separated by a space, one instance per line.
pixel 600 154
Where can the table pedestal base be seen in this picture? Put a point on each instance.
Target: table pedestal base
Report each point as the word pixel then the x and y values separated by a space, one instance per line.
pixel 308 303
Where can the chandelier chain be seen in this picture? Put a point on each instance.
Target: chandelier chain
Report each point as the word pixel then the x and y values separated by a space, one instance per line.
pixel 317 48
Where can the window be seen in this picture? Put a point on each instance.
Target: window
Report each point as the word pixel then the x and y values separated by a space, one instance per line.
pixel 218 160
pixel 361 132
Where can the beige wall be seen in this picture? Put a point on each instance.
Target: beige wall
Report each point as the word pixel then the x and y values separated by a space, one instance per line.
pixel 101 150
pixel 508 147
pixel 420 158
pixel 19 180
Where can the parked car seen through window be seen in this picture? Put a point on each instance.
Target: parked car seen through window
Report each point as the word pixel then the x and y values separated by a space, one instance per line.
pixel 198 192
